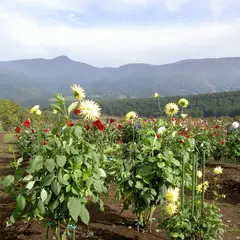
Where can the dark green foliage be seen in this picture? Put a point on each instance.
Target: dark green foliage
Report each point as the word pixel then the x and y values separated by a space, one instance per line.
pixel 202 105
pixel 12 114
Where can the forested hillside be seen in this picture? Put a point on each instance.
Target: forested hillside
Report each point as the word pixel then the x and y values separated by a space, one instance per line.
pixel 203 105
pixel 12 114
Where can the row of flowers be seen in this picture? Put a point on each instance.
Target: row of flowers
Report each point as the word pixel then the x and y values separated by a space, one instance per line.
pixel 151 161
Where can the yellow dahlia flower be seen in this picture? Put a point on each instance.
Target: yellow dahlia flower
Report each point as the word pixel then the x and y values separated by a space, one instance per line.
pixel 202 186
pixel 217 170
pixel 89 110
pixel 171 208
pixel 78 92
pixel 171 109
pixel 183 102
pixel 34 109
pixel 172 195
pixel 130 115
pixel 156 95
pixel 38 112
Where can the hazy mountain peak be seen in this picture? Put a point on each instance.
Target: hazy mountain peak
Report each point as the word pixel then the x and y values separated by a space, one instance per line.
pixel 62 58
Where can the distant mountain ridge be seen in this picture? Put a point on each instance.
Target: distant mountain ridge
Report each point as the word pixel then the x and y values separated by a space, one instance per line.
pixel 24 80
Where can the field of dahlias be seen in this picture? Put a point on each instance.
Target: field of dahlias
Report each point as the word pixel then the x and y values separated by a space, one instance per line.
pixel 174 177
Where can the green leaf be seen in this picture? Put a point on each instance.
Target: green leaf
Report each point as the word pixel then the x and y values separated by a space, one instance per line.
pixel 43 194
pixel 72 107
pixel 57 107
pixel 68 188
pixel 57 141
pixel 50 164
pixel 84 214
pixel 61 179
pixel 77 174
pixel 67 148
pixel 36 164
pixel 139 185
pixel 174 234
pixel 21 202
pixel 41 207
pixel 170 178
pixel 74 207
pixel 98 185
pixel 27 178
pixel 176 162
pixel 78 131
pixel 47 181
pixel 8 181
pixel 61 160
pixel 74 151
pixel 66 177
pixel 56 188
pixel 161 164
pixel 54 205
pixel 61 199
pixel 30 185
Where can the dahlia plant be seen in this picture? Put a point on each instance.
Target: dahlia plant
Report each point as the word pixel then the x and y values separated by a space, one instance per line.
pixel 196 218
pixel 65 171
pixel 150 162
pixel 233 141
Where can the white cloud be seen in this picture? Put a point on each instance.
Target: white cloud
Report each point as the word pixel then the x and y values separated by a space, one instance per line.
pixel 174 5
pixel 218 6
pixel 22 38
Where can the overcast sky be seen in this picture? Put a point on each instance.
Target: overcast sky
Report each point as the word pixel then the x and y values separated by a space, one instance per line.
pixel 116 32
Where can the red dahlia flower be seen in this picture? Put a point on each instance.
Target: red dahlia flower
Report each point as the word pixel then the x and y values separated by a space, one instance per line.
pixel 77 111
pixel 18 129
pixel 71 124
pixel 46 130
pixel 112 120
pixel 99 125
pixel 27 123
pixel 33 131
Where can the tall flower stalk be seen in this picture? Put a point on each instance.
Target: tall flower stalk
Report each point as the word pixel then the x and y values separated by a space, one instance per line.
pixel 194 163
pixel 203 180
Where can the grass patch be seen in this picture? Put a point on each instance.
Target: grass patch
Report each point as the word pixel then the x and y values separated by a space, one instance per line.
pixel 9 138
pixel 234 230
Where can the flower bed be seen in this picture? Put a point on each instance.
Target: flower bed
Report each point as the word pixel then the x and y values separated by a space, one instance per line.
pixel 152 162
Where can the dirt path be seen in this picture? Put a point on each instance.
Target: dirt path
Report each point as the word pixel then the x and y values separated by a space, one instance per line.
pixel 109 225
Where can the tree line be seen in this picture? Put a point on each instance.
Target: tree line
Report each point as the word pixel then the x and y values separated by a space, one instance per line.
pixel 202 105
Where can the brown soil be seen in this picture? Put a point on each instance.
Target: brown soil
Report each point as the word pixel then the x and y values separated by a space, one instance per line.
pixel 110 224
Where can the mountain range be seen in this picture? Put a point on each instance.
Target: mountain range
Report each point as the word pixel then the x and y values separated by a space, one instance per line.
pixel 30 80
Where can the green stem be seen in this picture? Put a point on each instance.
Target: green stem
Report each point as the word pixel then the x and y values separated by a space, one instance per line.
pixel 47 231
pixel 149 219
pixel 193 184
pixel 159 106
pixel 74 234
pixel 183 182
pixel 133 131
pixel 203 180
pixel 58 231
pixel 38 136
